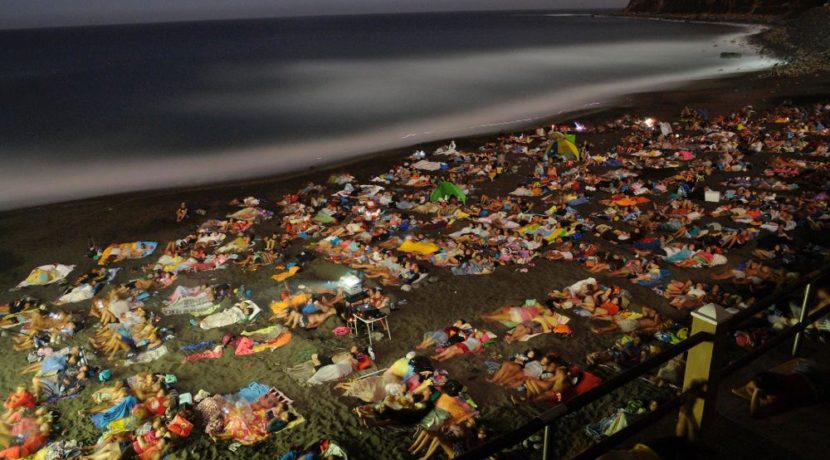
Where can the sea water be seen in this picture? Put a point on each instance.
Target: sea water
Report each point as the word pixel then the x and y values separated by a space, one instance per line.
pixel 99 110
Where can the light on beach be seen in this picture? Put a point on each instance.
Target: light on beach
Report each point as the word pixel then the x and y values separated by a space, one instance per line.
pixel 350 284
pixel 649 122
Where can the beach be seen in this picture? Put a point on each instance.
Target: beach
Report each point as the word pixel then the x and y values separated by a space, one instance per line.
pixel 60 233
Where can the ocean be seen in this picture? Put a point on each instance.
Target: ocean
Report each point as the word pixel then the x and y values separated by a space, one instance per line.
pixel 99 110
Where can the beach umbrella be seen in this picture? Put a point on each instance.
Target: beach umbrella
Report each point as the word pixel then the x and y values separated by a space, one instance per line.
pixel 445 190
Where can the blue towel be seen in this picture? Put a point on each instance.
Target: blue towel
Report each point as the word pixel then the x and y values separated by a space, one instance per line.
pixel 53 363
pixel 679 256
pixel 650 283
pixel 577 201
pixel 309 309
pixel 253 392
pixel 198 346
pixel 115 412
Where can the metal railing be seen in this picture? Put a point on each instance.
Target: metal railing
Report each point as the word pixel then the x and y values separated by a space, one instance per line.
pixel 546 419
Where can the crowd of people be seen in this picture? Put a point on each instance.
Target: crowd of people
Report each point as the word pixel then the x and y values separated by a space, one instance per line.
pixel 663 201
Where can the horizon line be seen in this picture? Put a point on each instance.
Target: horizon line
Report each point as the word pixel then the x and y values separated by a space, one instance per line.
pixel 585 11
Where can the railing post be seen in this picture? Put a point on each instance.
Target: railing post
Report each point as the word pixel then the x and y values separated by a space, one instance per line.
pixel 546 444
pixel 703 361
pixel 804 301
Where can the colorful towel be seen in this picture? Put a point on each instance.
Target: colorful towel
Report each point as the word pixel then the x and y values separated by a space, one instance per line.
pixel 46 274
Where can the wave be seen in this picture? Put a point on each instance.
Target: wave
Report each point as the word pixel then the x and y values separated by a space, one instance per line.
pixel 554 80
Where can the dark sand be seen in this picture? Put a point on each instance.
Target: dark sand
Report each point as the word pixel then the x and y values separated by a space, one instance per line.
pixel 58 233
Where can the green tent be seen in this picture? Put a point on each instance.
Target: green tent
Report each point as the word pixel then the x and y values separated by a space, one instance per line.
pixel 445 190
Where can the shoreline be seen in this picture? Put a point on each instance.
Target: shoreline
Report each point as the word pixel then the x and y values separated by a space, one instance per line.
pixel 144 214
pixel 619 104
pixel 220 164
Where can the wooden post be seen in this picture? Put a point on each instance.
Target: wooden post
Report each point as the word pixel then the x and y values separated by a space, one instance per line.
pixel 804 301
pixel 703 361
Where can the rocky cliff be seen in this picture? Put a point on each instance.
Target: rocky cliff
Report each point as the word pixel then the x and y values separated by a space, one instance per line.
pixel 722 7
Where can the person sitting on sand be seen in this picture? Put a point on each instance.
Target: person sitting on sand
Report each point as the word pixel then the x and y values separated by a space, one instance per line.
pixel 181 212
pixel 772 393
pixel 271 242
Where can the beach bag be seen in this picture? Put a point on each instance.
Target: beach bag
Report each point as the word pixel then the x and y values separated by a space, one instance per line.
pixel 180 426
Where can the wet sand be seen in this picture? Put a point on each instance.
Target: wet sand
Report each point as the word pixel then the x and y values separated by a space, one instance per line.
pixel 58 233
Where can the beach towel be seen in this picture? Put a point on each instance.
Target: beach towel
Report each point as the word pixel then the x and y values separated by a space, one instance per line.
pixel 77 294
pixel 323 217
pixel 132 250
pixel 333 372
pixel 370 389
pixel 120 410
pixel 230 316
pixel 184 291
pixel 85 291
pixel 426 165
pixel 656 278
pixel 211 239
pixel 628 201
pixel 239 244
pixel 282 276
pixel 146 356
pixel 199 305
pixel 472 268
pixel 418 247
pixel 295 300
pixel 46 274
pixel 249 394
pixel 265 334
pixel 251 214
pixel 300 373
pixel 245 418
pixel 587 381
pixel 247 346
pixel 214 353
